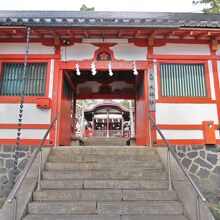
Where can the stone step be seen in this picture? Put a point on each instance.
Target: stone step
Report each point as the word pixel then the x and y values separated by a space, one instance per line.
pixel 105 165
pixel 61 184
pixel 62 208
pixel 105 217
pixel 126 184
pixel 78 195
pixel 140 208
pixel 104 184
pixel 125 150
pixel 103 195
pixel 101 157
pixel 73 217
pixel 153 217
pixel 103 175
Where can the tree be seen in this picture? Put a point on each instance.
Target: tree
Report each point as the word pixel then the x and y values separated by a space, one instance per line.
pixel 85 8
pixel 211 6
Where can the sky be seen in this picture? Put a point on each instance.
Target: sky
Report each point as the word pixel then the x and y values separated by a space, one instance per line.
pixel 103 5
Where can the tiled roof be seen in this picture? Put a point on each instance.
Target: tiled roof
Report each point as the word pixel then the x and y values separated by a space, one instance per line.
pixel 109 19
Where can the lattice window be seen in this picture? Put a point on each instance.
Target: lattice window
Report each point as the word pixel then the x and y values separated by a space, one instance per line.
pixel 11 78
pixel 183 80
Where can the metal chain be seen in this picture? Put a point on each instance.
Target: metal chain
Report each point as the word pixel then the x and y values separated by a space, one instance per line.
pixel 20 115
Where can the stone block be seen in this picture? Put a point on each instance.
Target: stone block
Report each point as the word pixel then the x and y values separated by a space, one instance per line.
pixel 212 158
pixel 1 162
pixel 202 163
pixel 193 168
pixel 203 173
pixel 8 148
pixel 217 170
pixel 9 163
pixel 186 162
pixel 5 155
pixel 192 154
pixel 22 163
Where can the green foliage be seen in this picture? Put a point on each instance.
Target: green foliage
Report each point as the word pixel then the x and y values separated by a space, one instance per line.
pixel 211 6
pixel 85 8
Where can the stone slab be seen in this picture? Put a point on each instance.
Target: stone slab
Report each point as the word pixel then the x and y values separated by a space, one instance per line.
pixel 78 195
pixel 74 217
pixel 65 208
pixel 126 184
pixel 140 208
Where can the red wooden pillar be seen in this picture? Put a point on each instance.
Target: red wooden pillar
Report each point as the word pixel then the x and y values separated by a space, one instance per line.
pixel 142 122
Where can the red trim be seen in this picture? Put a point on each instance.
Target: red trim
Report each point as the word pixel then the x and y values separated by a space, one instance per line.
pixel 181 142
pixel 26 142
pixel 167 99
pixel 103 65
pixel 20 57
pixel 182 57
pixel 24 126
pixel 55 94
pixel 216 81
pixel 182 127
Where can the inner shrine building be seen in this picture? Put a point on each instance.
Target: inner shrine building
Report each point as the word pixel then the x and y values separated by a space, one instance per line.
pixel 167 63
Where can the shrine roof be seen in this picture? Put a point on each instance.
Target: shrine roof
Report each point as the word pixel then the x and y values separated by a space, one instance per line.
pixel 109 19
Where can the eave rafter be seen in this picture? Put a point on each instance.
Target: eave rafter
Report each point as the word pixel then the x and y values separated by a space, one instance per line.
pixel 131 33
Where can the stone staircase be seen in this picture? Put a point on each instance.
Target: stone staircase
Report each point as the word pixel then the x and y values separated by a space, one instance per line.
pixel 104 183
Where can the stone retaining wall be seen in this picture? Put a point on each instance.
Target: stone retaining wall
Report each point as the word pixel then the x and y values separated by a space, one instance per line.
pixel 203 164
pixel 7 165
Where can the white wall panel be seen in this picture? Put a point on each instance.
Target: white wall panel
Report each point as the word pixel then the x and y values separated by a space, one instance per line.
pixel 183 49
pixel 78 52
pixel 51 78
pixel 25 133
pixel 212 85
pixel 218 50
pixel 181 134
pixel 129 52
pixel 32 114
pixel 19 48
pixel 185 113
pixel 156 80
pixel 218 64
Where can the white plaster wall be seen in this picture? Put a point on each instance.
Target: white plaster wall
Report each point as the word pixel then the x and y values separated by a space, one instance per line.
pixel 218 65
pixel 19 48
pixel 181 134
pixel 31 114
pixel 185 113
pixel 156 79
pixel 183 49
pixel 25 133
pixel 129 52
pixel 212 85
pixel 218 50
pixel 78 52
pixel 51 78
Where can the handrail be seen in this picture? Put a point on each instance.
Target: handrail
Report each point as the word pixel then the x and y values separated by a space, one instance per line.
pixel 177 159
pixel 30 162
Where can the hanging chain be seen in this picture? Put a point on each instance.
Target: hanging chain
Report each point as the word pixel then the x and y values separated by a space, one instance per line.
pixel 22 94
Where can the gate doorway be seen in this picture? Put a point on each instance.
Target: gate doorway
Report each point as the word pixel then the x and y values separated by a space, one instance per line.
pixel 122 85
